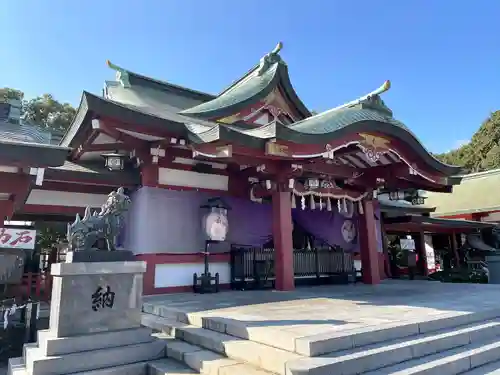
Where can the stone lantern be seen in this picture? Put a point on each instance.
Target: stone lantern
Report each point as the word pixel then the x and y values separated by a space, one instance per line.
pixel 215 228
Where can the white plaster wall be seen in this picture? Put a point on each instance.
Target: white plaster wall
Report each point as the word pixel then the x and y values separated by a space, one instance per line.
pixel 64 198
pixel 177 177
pixel 7 169
pixel 169 275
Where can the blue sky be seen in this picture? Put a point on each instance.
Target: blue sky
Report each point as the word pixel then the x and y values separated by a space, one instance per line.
pixel 441 56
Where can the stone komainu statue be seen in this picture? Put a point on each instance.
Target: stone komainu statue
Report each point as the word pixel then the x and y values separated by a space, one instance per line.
pixel 85 233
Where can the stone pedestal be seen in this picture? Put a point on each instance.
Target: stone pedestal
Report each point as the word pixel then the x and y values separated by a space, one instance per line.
pixel 94 323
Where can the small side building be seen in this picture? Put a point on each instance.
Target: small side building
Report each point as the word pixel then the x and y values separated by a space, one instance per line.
pixel 476 198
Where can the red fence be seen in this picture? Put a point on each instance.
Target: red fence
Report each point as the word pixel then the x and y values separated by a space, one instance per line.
pixel 37 286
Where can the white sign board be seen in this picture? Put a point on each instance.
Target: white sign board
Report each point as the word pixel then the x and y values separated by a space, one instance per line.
pixel 407 244
pixel 429 253
pixel 17 238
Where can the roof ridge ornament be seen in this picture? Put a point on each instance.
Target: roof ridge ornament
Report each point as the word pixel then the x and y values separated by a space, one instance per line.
pixel 374 95
pixel 270 58
pixel 374 102
pixel 121 76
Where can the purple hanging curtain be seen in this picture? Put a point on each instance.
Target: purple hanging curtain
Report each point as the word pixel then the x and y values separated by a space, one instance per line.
pixel 249 223
pixel 329 226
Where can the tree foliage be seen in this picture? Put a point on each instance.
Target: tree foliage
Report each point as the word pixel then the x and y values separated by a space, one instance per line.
pixel 49 233
pixel 482 152
pixel 44 111
pixel 49 113
pixel 7 93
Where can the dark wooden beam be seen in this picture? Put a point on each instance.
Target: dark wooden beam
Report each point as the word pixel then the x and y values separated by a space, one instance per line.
pixel 108 147
pixel 78 152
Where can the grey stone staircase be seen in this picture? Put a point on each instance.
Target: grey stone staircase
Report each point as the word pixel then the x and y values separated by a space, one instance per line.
pixel 464 344
pixel 124 352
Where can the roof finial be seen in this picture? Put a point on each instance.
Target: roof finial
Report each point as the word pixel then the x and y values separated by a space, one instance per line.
pixel 371 97
pixel 385 87
pixel 277 49
pixel 267 60
pixel 122 75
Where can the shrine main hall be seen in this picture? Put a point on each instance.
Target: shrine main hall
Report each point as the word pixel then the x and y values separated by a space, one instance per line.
pixel 293 180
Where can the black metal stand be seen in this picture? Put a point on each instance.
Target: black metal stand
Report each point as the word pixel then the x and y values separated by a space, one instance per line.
pixel 206 283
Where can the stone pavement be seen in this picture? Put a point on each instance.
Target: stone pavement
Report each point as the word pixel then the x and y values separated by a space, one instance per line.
pixel 318 310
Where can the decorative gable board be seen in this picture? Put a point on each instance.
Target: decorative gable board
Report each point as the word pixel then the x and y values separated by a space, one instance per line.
pixel 274 106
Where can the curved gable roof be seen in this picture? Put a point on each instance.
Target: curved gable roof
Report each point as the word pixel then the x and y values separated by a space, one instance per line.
pixel 258 83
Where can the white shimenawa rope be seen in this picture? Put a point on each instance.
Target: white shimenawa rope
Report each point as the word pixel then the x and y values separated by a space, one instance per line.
pixel 11 311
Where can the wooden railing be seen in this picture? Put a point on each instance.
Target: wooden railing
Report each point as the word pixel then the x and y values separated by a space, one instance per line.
pixel 253 267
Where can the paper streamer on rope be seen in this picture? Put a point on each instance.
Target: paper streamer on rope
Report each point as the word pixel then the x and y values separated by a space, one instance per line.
pixel 345 205
pixel 294 204
pixel 303 202
pixel 320 204
pixel 339 207
pixel 360 206
pixel 313 205
pixel 8 312
pixel 328 204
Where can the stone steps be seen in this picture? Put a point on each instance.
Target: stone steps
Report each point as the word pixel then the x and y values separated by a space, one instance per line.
pixel 139 368
pixel 371 357
pixel 449 362
pixel 462 334
pixel 204 361
pixel 492 368
pixel 259 355
pixel 168 367
pixel 318 344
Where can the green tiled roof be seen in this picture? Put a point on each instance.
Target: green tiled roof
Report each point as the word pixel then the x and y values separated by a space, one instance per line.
pixel 131 78
pixel 476 193
pixel 256 87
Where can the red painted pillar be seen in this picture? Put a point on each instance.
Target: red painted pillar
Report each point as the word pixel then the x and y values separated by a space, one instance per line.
pixel 283 244
pixel 6 210
pixel 368 245
pixel 149 174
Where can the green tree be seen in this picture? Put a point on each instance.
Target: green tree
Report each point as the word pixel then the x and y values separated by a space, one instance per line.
pixel 7 93
pixel 44 111
pixel 49 113
pixel 482 152
pixel 49 233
